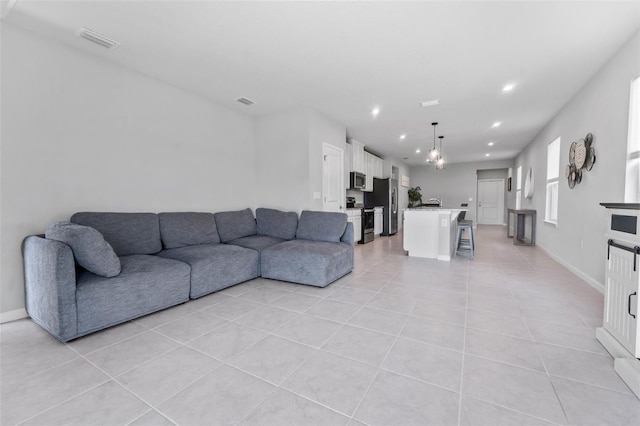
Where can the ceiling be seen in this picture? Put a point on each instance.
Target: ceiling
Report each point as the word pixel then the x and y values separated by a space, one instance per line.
pixel 345 58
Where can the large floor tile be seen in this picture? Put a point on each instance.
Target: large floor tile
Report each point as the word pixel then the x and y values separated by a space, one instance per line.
pixel 151 418
pixel 590 368
pixel 496 323
pixel 432 364
pixel 131 353
pixel 296 302
pixel 519 389
pixel 108 404
pixel 223 397
pixel 165 316
pixel 592 406
pixel 31 396
pixel 266 318
pixel 162 377
pixel 398 400
pixel 363 345
pixel 507 349
pixel 264 294
pixel 227 341
pixel 352 295
pixel 27 349
pixel 379 320
pixel 388 302
pixel 480 413
pixel 242 288
pixel 191 326
pixel 437 311
pixel 284 408
pixel 563 316
pixel 331 380
pixel 494 304
pixel 563 335
pixel 333 310
pixel 272 359
pixel 308 329
pixel 438 333
pixel 232 309
pixel 104 338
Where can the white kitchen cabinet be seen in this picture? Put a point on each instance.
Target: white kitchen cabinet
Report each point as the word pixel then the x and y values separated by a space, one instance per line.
pixel 355 217
pixel 369 160
pixel 378 217
pixel 357 157
pixel 348 164
pixel 379 172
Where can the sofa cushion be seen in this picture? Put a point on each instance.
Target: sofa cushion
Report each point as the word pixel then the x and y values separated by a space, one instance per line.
pixel 146 284
pixel 187 229
pixel 90 250
pixel 317 263
pixel 215 266
pixel 321 226
pixel 257 242
pixel 128 233
pixel 234 225
pixel 276 223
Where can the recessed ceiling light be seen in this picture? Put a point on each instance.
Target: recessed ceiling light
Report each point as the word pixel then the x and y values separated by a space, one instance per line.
pixel 508 87
pixel 430 103
pixel 402 137
pixel 375 111
pixel 487 155
pixel 418 151
pixel 490 143
pixel 497 124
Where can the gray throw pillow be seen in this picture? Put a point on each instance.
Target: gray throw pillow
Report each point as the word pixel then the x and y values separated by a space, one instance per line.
pixel 89 248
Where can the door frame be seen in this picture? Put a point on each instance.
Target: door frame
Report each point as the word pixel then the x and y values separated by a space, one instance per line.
pixel 326 147
pixel 501 204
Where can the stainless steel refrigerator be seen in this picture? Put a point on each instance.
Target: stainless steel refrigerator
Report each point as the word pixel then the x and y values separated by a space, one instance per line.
pixel 385 194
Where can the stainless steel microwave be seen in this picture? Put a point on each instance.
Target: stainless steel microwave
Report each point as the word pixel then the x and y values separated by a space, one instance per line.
pixel 357 180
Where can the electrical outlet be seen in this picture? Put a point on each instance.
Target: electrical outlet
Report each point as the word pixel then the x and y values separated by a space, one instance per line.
pixel 317 195
pixel 470 198
pixel 444 223
pixel 581 243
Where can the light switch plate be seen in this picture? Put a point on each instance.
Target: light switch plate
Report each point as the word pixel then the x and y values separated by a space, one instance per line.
pixel 443 223
pixel 317 195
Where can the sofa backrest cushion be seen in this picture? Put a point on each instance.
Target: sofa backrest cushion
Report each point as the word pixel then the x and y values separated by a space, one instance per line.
pixel 234 225
pixel 276 223
pixel 128 233
pixel 187 229
pixel 89 248
pixel 321 226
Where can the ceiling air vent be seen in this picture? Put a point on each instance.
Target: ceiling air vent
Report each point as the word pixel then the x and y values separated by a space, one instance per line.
pixel 96 38
pixel 245 101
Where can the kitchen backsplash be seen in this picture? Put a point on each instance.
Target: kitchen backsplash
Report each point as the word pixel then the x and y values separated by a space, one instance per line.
pixel 357 194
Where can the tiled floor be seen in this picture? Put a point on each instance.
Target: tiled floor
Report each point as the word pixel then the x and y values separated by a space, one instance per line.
pixel 505 339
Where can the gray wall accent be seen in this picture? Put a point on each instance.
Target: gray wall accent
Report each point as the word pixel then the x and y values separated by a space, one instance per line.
pixel 80 133
pixel 602 108
pixel 455 184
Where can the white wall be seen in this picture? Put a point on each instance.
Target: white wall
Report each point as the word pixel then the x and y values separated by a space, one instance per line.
pixel 602 108
pixel 455 184
pixel 289 158
pixel 81 134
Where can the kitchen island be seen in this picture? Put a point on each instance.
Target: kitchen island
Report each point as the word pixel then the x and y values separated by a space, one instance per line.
pixel 431 232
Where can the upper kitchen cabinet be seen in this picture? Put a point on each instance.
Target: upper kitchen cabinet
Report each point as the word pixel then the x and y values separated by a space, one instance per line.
pixel 374 168
pixel 358 162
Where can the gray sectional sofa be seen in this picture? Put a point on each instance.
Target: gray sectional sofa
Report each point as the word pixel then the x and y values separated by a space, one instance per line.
pixel 102 269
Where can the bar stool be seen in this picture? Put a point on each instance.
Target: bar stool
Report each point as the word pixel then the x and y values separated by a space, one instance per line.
pixel 465 244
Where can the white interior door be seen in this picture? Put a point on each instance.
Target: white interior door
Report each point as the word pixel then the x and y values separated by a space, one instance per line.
pixel 333 191
pixel 491 202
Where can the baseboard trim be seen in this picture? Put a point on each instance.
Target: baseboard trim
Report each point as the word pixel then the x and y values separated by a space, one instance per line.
pixel 590 280
pixel 13 315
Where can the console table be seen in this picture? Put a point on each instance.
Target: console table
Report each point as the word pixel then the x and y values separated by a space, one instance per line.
pixel 522 227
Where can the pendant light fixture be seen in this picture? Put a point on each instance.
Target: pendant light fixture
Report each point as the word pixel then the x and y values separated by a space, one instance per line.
pixel 433 154
pixel 440 160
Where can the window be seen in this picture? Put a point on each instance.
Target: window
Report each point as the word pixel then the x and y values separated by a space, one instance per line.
pixel 632 183
pixel 553 177
pixel 518 187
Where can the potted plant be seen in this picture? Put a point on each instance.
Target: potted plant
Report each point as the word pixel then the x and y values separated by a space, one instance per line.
pixel 415 197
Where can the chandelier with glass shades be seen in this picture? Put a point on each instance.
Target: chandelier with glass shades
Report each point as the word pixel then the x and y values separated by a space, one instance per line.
pixel 435 155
